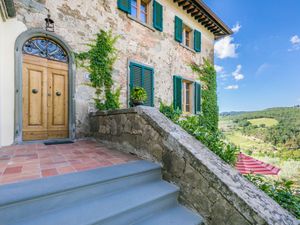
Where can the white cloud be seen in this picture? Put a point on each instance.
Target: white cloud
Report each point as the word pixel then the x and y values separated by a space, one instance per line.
pixel 232 87
pixel 237 73
pixel 221 72
pixel 224 76
pixel 262 68
pixel 226 48
pixel 236 28
pixel 295 40
pixel 219 69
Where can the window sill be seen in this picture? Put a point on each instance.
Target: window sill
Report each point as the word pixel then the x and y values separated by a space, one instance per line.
pixel 188 48
pixel 140 22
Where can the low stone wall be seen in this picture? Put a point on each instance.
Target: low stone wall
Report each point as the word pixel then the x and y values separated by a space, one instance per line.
pixel 208 185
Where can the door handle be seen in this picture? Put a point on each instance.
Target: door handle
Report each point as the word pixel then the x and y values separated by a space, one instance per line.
pixel 35 91
pixel 58 93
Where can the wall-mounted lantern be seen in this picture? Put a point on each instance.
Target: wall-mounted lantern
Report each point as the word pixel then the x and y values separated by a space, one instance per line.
pixel 49 24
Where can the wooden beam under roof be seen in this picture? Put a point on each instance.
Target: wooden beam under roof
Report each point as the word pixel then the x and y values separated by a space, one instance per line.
pixel 203 14
pixel 187 6
pixel 180 3
pixel 195 13
pixel 191 10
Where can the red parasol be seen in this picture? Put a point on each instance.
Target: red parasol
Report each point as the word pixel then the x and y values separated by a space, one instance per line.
pixel 247 164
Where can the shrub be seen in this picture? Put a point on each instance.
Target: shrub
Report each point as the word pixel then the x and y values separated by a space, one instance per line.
pixel 281 191
pixel 212 140
pixel 170 112
pixel 195 125
pixel 138 94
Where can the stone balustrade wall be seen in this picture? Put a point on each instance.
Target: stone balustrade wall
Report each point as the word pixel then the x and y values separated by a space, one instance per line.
pixel 208 185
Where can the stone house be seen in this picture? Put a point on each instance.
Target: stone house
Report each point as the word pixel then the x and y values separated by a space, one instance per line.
pixel 43 95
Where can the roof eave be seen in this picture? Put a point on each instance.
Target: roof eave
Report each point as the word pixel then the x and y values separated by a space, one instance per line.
pixel 205 16
pixel 226 29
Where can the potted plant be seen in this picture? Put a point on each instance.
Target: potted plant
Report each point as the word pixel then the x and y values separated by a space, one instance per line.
pixel 138 96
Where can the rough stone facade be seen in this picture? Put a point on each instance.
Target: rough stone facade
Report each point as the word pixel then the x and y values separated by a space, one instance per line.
pixel 78 21
pixel 208 185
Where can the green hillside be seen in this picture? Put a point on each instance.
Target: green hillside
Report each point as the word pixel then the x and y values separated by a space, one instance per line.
pixel 272 135
pixel 278 126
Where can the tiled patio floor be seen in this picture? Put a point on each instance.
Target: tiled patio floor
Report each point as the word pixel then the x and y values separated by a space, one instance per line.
pixel 33 161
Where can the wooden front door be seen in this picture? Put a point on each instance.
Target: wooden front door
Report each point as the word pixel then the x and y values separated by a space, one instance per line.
pixel 45 99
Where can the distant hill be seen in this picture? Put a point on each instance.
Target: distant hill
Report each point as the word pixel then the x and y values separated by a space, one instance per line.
pixel 271 135
pixel 279 126
pixel 232 113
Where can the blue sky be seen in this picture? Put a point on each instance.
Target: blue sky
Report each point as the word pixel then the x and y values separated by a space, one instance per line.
pixel 259 65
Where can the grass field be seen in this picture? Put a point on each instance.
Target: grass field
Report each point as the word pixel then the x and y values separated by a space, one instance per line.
pixel 268 122
pixel 248 143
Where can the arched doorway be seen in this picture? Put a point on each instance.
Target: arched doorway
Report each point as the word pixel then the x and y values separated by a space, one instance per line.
pixel 44 87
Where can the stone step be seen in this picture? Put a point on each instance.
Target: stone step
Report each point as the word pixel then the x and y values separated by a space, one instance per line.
pixel 121 208
pixel 131 193
pixel 176 215
pixel 21 200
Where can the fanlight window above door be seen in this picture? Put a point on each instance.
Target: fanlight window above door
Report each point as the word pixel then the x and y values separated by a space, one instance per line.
pixel 45 48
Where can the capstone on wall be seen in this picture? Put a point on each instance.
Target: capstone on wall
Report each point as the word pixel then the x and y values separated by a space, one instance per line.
pixel 77 21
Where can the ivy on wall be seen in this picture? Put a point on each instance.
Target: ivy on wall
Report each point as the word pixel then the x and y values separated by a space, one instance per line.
pixel 210 109
pixel 99 61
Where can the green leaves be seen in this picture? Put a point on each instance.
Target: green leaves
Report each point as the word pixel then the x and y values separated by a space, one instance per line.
pixel 195 125
pixel 98 61
pixel 280 190
pixel 210 109
pixel 170 112
pixel 138 94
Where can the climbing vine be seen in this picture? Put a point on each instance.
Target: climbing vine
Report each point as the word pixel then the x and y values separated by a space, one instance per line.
pixel 99 61
pixel 210 109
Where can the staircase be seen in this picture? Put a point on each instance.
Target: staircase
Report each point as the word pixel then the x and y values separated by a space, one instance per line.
pixel 127 194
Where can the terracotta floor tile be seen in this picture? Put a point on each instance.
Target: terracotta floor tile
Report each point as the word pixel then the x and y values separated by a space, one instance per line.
pixel 49 172
pixel 33 161
pixel 13 170
pixel 66 169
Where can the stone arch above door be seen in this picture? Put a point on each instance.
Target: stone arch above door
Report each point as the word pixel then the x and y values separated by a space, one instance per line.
pixel 52 38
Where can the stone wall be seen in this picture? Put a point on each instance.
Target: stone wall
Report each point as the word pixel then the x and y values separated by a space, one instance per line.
pixel 208 185
pixel 77 21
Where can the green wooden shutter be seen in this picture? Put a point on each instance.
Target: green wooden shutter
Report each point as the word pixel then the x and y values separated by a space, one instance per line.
pixel 197 41
pixel 125 5
pixel 177 92
pixel 135 75
pixel 148 85
pixel 197 98
pixel 157 16
pixel 178 29
pixel 141 76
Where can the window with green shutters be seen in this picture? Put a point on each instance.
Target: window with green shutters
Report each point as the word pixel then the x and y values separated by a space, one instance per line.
pixel 177 92
pixel 125 5
pixel 178 29
pixel 197 97
pixel 157 16
pixel 143 76
pixel 197 41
